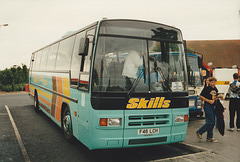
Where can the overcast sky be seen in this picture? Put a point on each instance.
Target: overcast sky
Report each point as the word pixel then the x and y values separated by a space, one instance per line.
pixel 34 24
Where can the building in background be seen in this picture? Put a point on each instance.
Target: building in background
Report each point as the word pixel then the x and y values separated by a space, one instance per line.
pixel 222 53
pixel 221 58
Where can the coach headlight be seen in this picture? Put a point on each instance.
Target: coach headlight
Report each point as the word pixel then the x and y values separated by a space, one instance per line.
pixel 110 122
pixel 191 92
pixel 199 103
pixel 181 118
pixel 191 102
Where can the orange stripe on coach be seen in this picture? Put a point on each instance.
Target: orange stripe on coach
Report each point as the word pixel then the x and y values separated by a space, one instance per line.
pixel 54 96
pixel 46 102
pixel 59 99
pixel 66 89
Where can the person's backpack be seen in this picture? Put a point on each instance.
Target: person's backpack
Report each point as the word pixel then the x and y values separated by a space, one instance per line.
pixel 235 89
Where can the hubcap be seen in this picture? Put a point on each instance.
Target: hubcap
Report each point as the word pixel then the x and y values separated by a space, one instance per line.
pixel 35 103
pixel 67 123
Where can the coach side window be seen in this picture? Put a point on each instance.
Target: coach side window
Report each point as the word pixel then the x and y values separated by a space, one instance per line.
pixel 52 57
pixel 76 60
pixel 37 60
pixel 34 59
pixel 44 59
pixel 64 54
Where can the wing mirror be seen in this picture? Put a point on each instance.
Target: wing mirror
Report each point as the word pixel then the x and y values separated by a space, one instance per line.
pixel 83 48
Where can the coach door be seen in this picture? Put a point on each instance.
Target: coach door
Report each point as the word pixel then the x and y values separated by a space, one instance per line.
pixel 80 86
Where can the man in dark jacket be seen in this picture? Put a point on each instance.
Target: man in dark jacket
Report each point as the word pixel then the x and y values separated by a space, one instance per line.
pixel 234 104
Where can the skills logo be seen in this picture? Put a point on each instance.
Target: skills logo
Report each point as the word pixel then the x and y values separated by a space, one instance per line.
pixel 142 103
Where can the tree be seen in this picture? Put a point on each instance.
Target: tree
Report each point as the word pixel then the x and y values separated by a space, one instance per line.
pixel 14 78
pixel 25 72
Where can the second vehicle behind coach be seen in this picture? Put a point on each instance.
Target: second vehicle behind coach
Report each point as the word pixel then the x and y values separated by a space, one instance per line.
pixel 105 86
pixel 195 82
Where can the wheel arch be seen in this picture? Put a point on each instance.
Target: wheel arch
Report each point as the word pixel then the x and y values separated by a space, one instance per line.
pixel 35 92
pixel 65 105
pixel 66 122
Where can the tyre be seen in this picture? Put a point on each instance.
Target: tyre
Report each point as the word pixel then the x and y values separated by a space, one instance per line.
pixel 67 125
pixel 36 104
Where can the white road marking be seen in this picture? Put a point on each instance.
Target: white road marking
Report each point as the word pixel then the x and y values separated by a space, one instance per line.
pixel 24 151
pixel 204 151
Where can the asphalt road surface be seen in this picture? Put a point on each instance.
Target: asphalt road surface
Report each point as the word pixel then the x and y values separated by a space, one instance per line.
pixel 42 140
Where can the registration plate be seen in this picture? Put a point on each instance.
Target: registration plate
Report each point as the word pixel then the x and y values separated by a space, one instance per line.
pixel 191 103
pixel 148 131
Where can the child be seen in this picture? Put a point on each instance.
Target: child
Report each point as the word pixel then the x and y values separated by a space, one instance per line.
pixel 209 96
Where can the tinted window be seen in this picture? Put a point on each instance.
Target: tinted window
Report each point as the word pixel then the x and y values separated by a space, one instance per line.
pixel 140 29
pixel 64 54
pixel 52 56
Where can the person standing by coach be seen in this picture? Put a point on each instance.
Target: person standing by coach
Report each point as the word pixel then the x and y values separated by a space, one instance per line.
pixel 209 96
pixel 234 105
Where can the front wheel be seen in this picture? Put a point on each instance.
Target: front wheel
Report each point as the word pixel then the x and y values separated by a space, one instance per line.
pixel 67 125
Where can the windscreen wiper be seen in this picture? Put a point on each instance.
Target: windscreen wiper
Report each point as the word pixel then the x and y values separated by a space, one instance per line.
pixel 135 82
pixel 193 80
pixel 164 79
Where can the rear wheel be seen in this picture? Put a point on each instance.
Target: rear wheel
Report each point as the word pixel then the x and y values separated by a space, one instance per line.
pixel 36 104
pixel 67 125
